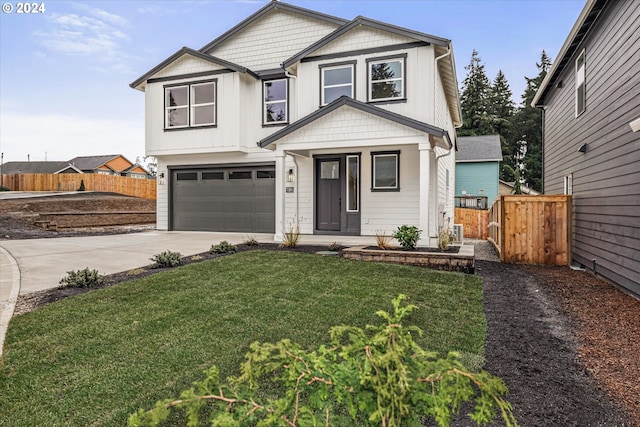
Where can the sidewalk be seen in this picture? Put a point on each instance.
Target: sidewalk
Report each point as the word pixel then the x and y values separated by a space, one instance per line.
pixel 33 265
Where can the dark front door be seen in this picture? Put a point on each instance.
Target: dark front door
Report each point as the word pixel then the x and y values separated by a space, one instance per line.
pixel 329 185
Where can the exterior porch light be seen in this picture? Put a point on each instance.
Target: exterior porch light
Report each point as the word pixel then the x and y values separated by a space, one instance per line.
pixel 290 176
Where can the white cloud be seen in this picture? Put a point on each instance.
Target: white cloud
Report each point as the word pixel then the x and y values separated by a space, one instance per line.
pixel 63 137
pixel 91 32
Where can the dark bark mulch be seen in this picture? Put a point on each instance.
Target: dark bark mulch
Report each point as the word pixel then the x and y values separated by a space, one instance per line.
pixel 533 346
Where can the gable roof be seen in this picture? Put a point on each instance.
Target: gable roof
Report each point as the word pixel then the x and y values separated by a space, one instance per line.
pixel 367 108
pixel 91 163
pixel 188 51
pixel 484 148
pixel 590 13
pixel 273 5
pixel 12 168
pixel 359 21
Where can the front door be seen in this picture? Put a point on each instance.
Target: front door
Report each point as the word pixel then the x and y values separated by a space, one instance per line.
pixel 337 199
pixel 329 184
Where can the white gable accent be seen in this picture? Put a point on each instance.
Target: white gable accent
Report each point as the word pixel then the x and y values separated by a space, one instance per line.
pixel 362 37
pixel 266 43
pixel 187 64
pixel 348 126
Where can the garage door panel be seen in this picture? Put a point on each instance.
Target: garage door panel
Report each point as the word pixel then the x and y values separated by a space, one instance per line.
pixel 224 199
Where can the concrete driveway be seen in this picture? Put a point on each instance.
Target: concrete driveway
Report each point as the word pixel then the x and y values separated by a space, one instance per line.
pixel 32 265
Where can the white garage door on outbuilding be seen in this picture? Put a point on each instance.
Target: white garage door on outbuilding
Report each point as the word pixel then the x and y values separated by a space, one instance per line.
pixel 226 199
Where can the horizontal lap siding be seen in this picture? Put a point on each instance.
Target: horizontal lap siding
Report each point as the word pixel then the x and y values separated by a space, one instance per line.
pixel 606 179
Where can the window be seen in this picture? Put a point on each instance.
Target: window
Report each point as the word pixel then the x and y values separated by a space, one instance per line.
pixel 191 105
pixel 209 176
pixel 336 81
pixel 385 171
pixel 353 185
pixel 386 79
pixel 240 175
pixel 581 101
pixel 187 176
pixel 275 101
pixel 568 184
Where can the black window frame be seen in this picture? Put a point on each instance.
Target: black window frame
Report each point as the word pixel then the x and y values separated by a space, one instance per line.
pixel 375 154
pixel 344 64
pixel 389 58
pixel 190 105
pixel 264 101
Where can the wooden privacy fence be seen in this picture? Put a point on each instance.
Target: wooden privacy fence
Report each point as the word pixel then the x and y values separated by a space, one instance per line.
pixel 475 222
pixel 137 187
pixel 531 229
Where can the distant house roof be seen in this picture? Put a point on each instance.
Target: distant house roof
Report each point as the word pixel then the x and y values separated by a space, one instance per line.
pixel 507 188
pixel 11 168
pixel 484 148
pixel 91 163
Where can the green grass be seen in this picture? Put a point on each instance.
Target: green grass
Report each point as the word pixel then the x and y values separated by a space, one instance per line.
pixel 91 360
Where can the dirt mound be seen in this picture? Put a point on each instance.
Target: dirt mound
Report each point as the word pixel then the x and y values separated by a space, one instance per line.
pixel 20 218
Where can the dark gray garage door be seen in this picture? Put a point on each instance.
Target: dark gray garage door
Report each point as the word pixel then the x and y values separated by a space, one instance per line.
pixel 239 199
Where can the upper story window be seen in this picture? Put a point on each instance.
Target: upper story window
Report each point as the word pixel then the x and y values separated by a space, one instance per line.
pixel 581 101
pixel 337 80
pixel 190 105
pixel 386 78
pixel 275 108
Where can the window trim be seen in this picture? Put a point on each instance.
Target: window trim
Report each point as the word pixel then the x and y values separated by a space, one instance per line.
pixel 336 65
pixel 189 106
pixel 402 59
pixel 265 102
pixel 580 84
pixel 357 159
pixel 374 155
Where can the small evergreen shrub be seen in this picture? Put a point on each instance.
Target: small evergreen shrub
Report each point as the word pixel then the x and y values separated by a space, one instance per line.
pixel 81 185
pixel 407 236
pixel 82 279
pixel 223 247
pixel 378 376
pixel 3 188
pixel 166 259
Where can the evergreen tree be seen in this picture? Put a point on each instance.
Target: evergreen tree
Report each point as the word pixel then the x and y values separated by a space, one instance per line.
pixel 475 99
pixel 502 110
pixel 528 128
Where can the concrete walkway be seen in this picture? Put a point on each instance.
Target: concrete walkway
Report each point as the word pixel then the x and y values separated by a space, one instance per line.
pixel 33 265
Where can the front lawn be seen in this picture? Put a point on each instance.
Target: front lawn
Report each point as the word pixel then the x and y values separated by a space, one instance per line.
pixel 93 359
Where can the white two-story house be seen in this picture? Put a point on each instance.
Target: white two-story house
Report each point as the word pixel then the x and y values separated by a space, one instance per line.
pixel 294 116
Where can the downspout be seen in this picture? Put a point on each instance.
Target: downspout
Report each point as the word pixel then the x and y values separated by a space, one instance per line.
pixel 295 162
pixel 448 152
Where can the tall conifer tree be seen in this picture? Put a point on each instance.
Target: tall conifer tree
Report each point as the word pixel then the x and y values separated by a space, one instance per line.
pixel 474 100
pixel 528 128
pixel 501 110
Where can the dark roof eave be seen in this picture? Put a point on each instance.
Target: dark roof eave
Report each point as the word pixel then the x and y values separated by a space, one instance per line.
pixel 584 23
pixel 188 51
pixel 361 20
pixel 344 100
pixel 269 7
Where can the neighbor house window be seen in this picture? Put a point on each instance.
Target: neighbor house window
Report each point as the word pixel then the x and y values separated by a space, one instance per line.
pixel 385 171
pixel 353 183
pixel 190 105
pixel 336 81
pixel 581 101
pixel 275 109
pixel 386 78
pixel 568 184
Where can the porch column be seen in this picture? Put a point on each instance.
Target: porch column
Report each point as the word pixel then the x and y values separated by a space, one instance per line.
pixel 280 183
pixel 426 152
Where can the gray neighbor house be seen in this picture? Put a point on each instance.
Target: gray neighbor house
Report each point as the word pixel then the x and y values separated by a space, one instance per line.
pixel 591 107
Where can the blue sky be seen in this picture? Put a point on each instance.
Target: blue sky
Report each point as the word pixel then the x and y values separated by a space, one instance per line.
pixel 65 73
